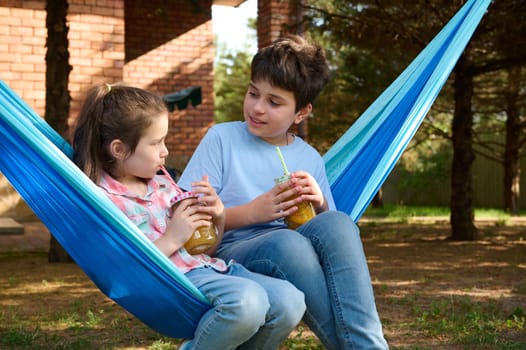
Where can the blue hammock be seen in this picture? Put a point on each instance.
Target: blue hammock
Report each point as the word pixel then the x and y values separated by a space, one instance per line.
pixel 124 264
pixel 360 161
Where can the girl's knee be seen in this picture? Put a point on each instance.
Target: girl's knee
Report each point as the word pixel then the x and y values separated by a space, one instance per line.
pixel 251 306
pixel 291 307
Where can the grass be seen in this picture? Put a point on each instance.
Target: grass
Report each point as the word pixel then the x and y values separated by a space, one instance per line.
pixel 402 212
pixel 469 323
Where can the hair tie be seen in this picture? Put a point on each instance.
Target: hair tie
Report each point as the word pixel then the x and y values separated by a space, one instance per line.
pixel 108 86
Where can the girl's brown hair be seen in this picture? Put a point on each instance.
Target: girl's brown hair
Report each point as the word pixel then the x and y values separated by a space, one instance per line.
pixel 111 112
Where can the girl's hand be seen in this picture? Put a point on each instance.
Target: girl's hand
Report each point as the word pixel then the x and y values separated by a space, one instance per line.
pixel 208 200
pixel 210 204
pixel 186 218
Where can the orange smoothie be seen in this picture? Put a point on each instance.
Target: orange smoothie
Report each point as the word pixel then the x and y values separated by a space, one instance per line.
pixel 204 237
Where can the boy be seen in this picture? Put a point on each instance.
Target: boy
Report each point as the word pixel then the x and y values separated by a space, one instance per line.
pixel 324 257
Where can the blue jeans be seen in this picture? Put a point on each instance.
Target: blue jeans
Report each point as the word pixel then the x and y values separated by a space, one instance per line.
pixel 323 258
pixel 249 310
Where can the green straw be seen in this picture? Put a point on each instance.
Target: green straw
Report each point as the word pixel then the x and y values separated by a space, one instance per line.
pixel 282 160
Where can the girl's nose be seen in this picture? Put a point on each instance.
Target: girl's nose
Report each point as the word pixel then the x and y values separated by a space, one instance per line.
pixel 164 151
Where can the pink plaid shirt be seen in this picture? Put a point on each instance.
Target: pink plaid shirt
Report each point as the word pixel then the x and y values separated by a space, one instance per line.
pixel 150 213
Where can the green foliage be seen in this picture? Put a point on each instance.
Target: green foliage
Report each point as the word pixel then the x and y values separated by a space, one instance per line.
pixel 231 78
pixel 232 74
pixel 422 174
pixel 366 52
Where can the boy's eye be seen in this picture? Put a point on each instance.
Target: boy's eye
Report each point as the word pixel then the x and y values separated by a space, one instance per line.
pixel 274 103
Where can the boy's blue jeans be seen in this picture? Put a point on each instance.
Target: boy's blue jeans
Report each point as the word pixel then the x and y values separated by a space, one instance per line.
pixel 323 258
pixel 249 310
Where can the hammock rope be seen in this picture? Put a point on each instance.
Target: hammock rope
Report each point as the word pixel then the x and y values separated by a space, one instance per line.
pixel 124 264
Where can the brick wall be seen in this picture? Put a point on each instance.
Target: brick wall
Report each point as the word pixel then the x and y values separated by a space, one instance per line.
pixel 22 52
pixel 176 52
pixel 96 46
pixel 275 18
pixel 144 43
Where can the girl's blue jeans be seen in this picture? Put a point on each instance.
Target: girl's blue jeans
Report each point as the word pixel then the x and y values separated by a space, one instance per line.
pixel 249 310
pixel 323 258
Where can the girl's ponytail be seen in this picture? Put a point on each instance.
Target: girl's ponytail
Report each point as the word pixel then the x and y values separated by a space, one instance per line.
pixel 87 140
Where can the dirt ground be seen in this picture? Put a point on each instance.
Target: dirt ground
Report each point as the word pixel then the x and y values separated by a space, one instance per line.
pixel 416 264
pixel 413 266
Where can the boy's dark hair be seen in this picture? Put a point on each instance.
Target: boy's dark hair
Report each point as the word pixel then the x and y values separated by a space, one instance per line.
pixel 295 64
pixel 112 112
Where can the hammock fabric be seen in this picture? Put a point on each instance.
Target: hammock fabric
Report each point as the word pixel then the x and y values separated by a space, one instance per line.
pixel 124 264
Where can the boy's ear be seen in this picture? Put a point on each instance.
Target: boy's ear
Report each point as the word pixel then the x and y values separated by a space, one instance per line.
pixel 303 113
pixel 118 149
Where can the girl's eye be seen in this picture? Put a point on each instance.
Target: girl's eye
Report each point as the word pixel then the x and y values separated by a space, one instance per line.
pixel 274 103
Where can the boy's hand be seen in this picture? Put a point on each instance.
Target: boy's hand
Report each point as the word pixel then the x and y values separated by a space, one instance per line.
pixel 309 189
pixel 277 203
pixel 274 204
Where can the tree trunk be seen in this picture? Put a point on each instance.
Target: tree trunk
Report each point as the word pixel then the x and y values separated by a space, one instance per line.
pixel 512 169
pixel 57 94
pixel 462 216
pixel 378 201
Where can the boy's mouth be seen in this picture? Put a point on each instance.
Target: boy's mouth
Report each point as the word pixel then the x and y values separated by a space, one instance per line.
pixel 255 121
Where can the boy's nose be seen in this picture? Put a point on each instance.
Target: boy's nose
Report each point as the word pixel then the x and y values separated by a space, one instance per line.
pixel 258 106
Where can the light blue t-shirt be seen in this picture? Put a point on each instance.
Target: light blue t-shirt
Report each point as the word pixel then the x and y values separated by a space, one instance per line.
pixel 241 166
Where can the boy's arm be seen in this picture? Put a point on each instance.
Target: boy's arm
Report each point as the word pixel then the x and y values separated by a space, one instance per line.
pixel 239 216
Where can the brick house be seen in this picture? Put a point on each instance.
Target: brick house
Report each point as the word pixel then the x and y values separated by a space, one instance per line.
pixel 162 46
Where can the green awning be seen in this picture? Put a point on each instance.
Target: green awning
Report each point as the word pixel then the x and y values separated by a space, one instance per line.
pixel 180 99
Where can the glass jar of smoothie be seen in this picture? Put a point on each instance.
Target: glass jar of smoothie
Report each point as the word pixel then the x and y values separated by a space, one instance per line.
pixel 305 210
pixel 204 237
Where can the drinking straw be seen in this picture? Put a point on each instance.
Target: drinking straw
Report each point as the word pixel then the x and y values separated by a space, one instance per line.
pixel 282 160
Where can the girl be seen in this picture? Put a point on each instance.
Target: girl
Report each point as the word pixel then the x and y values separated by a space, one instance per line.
pixel 119 143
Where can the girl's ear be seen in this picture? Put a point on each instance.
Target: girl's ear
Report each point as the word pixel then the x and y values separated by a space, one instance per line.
pixel 118 149
pixel 303 113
